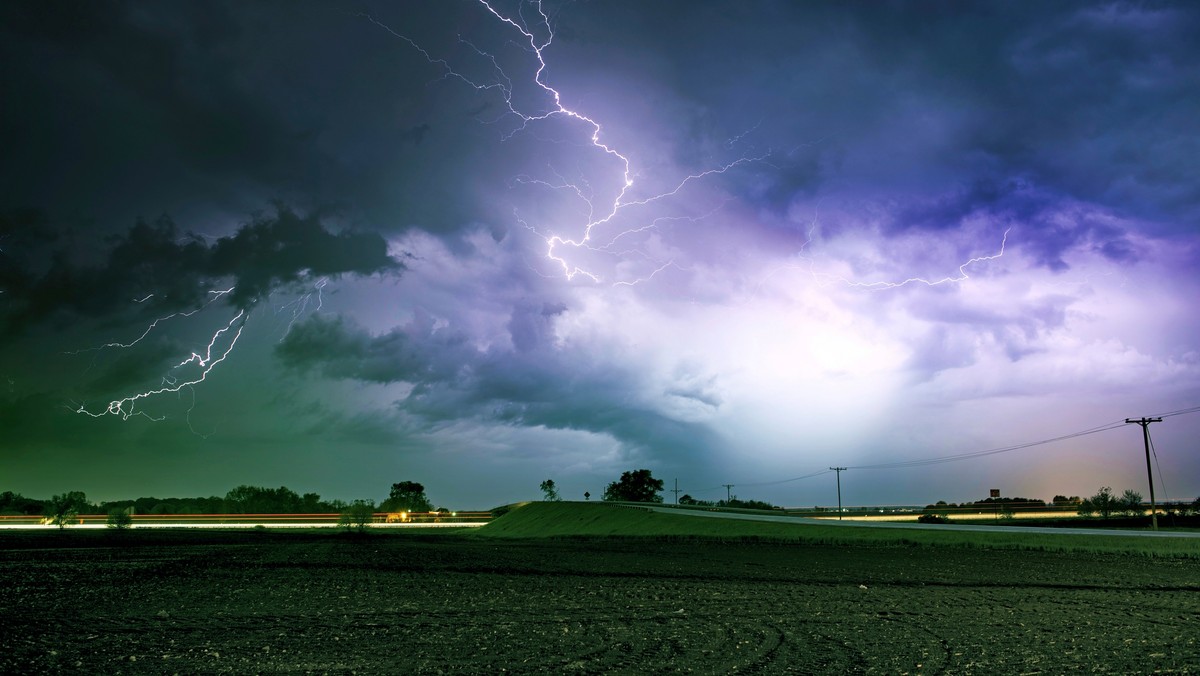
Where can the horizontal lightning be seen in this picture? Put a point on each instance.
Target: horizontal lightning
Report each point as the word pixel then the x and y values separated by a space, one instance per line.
pixel 962 273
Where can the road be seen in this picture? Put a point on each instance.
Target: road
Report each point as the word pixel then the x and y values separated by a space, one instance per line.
pixel 923 526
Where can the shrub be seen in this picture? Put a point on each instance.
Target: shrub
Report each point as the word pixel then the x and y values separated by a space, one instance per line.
pixel 358 515
pixel 119 518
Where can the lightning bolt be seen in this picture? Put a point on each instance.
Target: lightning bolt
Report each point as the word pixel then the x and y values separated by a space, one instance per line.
pixel 299 306
pixel 203 363
pixel 824 279
pixel 196 367
pixel 961 277
pixel 154 324
pixel 538 38
pixel 536 35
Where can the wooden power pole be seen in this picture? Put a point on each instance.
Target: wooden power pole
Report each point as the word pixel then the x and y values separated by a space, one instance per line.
pixel 839 471
pixel 1145 423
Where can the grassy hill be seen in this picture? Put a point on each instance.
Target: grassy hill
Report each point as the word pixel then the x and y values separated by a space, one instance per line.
pixel 600 519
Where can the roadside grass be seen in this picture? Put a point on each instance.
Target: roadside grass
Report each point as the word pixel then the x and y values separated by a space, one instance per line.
pixel 606 520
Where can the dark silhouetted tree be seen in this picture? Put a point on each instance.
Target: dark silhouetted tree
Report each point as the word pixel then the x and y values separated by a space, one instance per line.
pixel 15 503
pixel 407 496
pixel 635 486
pixel 549 491
pixel 62 509
pixel 1130 503
pixel 259 500
pixel 1103 503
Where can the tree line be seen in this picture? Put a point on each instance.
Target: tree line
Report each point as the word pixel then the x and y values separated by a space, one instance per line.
pixel 406 496
pixel 1104 504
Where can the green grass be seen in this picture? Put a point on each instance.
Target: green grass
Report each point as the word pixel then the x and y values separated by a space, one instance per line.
pixel 571 520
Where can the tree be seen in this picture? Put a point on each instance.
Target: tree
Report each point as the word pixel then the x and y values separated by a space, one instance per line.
pixel 62 509
pixel 407 496
pixel 1103 503
pixel 15 503
pixel 745 504
pixel 259 500
pixel 549 491
pixel 635 486
pixel 358 515
pixel 1130 503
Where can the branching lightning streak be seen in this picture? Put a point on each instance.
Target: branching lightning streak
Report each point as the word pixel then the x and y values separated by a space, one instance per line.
pixel 154 324
pixel 299 305
pixel 824 279
pixel 537 46
pixel 962 273
pixel 127 406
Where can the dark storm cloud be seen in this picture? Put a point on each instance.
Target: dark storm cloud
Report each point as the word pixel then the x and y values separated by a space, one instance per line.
pixel 1049 225
pixel 118 100
pixel 1092 102
pixel 127 369
pixel 156 268
pixel 195 108
pixel 538 383
pixel 280 250
pixel 21 231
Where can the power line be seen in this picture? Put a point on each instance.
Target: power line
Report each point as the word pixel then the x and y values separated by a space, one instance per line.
pixel 758 484
pixel 1005 449
pixel 1182 411
pixel 991 451
pixel 920 462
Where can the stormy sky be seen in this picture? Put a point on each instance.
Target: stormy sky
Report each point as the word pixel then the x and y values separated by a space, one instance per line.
pixel 336 245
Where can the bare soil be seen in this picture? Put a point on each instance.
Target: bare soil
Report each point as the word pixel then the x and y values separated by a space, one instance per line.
pixel 250 602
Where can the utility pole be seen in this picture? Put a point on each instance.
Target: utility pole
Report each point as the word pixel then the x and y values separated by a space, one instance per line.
pixel 1145 423
pixel 728 496
pixel 839 471
pixel 676 491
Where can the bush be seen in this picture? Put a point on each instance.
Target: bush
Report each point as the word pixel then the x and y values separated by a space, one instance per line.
pixel 932 518
pixel 119 518
pixel 358 515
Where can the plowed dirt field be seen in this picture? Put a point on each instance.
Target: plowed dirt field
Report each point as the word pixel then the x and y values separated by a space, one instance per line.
pixel 185 602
